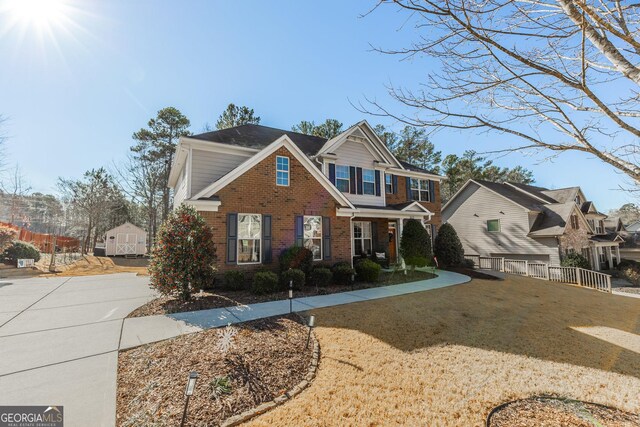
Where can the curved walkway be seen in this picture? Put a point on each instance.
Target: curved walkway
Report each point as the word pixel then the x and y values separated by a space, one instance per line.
pixel 144 330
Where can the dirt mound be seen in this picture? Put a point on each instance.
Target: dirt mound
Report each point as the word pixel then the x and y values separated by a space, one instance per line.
pixel 90 265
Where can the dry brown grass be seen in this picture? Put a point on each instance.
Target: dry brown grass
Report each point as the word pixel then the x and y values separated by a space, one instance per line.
pixel 448 356
pixel 90 265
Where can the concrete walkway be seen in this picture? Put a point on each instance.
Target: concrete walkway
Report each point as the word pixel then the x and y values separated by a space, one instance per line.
pixel 143 330
pixel 59 341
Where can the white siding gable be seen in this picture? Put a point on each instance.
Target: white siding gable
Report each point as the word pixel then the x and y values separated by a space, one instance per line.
pixel 352 153
pixel 209 166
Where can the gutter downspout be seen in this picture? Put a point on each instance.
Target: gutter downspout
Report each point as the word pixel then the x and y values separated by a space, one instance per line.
pixel 353 215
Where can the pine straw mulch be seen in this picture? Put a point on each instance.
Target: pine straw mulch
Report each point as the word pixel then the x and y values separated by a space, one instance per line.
pixel 266 358
pixel 90 265
pixel 224 298
pixel 552 411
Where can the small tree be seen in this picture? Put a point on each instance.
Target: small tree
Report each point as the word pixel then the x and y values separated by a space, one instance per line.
pixel 183 258
pixel 415 246
pixel 7 235
pixel 447 247
pixel 575 260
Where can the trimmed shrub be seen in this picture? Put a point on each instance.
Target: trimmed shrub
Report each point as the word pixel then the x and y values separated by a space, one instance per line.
pixel 368 271
pixel 630 270
pixel 575 260
pixel 21 250
pixel 468 263
pixel 447 247
pixel 415 245
pixel 264 282
pixel 234 280
pixel 342 273
pixel 321 276
pixel 184 255
pixel 294 274
pixel 296 257
pixel 7 235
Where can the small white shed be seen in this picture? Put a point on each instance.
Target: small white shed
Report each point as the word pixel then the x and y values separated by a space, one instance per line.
pixel 126 239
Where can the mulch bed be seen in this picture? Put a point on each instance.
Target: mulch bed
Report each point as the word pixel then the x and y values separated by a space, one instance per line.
pixel 474 274
pixel 549 411
pixel 265 359
pixel 223 298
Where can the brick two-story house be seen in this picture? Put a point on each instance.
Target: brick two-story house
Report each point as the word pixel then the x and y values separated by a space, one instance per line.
pixel 263 189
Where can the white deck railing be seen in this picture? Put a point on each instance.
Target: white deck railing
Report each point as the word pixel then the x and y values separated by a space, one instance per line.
pixel 538 270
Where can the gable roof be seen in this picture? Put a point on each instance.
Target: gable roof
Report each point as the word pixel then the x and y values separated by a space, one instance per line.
pixel 553 220
pixel 533 190
pixel 259 137
pixel 563 195
pixel 516 196
pixel 283 141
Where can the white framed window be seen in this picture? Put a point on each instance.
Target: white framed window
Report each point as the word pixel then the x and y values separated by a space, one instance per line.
pixel 420 189
pixel 249 238
pixel 388 183
pixel 342 178
pixel 493 226
pixel 282 171
pixel 312 237
pixel 361 237
pixel 368 181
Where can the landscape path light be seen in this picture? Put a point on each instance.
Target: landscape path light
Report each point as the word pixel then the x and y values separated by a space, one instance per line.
pixel 188 391
pixel 312 322
pixel 290 296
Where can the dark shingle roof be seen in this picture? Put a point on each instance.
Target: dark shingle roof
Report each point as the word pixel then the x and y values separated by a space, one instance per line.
pixel 258 137
pixel 512 194
pixel 536 191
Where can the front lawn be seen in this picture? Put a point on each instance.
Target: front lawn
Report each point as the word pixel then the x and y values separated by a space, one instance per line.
pixel 218 298
pixel 447 357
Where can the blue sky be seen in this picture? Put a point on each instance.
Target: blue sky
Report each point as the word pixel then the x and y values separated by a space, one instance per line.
pixel 75 95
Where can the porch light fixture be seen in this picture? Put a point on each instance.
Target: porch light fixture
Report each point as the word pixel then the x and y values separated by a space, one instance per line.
pixel 188 392
pixel 312 322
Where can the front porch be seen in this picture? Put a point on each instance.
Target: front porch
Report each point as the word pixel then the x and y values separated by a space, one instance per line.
pixel 603 255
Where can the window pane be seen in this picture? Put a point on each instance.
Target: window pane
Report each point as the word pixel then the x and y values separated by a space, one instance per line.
pixel 366 229
pixel 248 251
pixel 357 229
pixel 493 225
pixel 282 178
pixel 282 163
pixel 342 171
pixel 424 184
pixel 415 183
pixel 357 246
pixel 387 178
pixel 314 245
pixel 343 185
pixel 424 195
pixel 313 227
pixel 368 175
pixel 367 245
pixel 368 188
pixel 249 226
pixel 415 194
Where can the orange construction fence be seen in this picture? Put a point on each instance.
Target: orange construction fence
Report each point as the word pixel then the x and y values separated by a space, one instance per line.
pixel 44 241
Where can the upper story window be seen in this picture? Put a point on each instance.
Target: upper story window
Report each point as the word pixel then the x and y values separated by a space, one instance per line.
pixel 249 238
pixel 493 225
pixel 388 183
pixel 282 171
pixel 575 223
pixel 578 200
pixel 342 178
pixel 420 189
pixel 368 181
pixel 313 235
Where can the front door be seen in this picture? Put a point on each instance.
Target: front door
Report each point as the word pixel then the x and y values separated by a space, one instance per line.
pixel 393 251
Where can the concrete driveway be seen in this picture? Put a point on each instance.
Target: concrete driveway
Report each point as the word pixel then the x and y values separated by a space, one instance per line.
pixel 59 340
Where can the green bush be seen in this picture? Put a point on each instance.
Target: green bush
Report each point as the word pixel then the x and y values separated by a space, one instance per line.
pixel 342 273
pixel 321 276
pixel 184 255
pixel 630 270
pixel 296 257
pixel 368 271
pixel 21 250
pixel 234 280
pixel 264 282
pixel 468 263
pixel 415 245
pixel 575 260
pixel 295 275
pixel 447 247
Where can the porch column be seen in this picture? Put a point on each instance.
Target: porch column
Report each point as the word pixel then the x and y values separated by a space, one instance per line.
pixel 596 258
pixel 399 240
pixel 610 257
pixel 618 254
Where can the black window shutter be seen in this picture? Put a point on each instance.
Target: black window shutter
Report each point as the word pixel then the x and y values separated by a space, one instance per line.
pixel 352 180
pixel 394 180
pixel 299 230
pixel 266 239
pixel 409 189
pixel 432 191
pixel 332 173
pixel 374 237
pixel 359 174
pixel 378 183
pixel 232 238
pixel 326 237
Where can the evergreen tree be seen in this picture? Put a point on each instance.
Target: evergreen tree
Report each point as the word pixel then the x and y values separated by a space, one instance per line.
pixel 236 116
pixel 447 247
pixel 415 245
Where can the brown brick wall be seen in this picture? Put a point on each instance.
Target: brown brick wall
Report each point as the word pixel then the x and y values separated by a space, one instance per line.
pixel 401 197
pixel 256 192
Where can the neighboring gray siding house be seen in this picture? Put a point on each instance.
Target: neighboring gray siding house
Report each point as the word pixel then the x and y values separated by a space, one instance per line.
pixel 524 222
